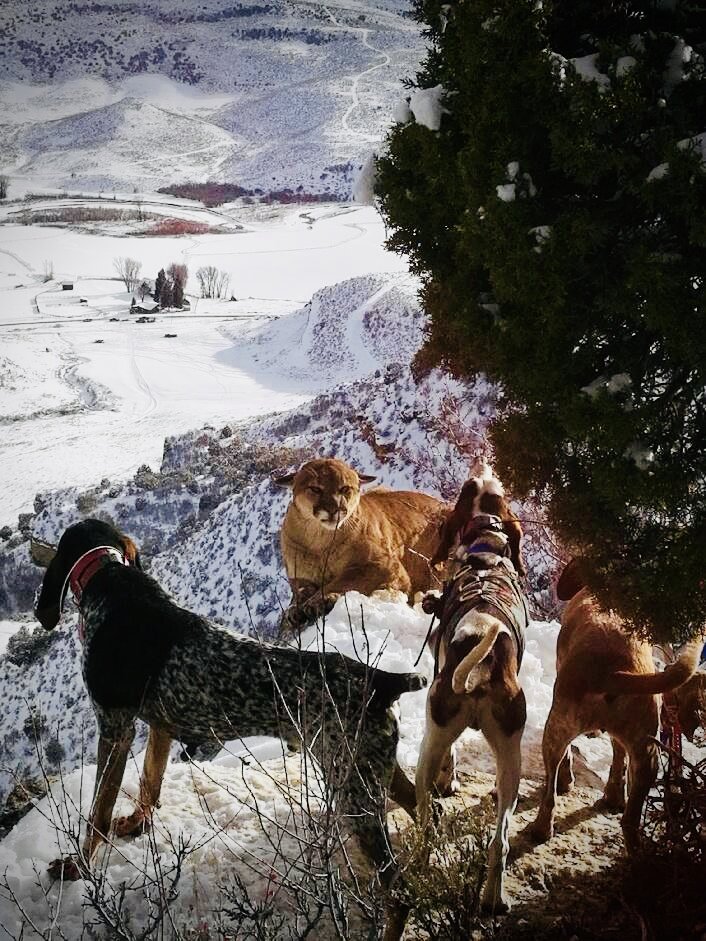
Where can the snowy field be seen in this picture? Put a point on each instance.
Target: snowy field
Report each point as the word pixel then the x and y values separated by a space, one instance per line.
pixel 229 809
pixel 84 397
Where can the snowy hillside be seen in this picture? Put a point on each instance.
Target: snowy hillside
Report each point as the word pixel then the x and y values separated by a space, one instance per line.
pixel 207 520
pixel 265 95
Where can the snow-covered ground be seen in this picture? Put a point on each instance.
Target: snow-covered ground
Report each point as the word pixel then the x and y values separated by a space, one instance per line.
pixel 84 397
pixel 229 809
pixel 269 95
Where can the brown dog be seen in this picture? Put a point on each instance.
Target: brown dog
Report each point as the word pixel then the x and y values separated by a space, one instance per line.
pixel 605 681
pixel 336 539
pixel 478 650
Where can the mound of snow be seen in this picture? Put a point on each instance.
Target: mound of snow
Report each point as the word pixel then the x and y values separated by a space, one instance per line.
pixel 347 331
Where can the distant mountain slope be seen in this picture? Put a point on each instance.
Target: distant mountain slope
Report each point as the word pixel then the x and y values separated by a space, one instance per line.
pixel 267 94
pixel 347 331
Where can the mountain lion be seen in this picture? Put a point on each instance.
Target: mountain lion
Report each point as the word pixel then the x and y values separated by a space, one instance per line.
pixel 336 539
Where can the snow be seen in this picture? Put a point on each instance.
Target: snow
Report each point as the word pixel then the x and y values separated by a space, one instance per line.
pixel 542 234
pixel 614 384
pixel 658 172
pixel 642 456
pixel 674 69
pixel 401 112
pixel 624 65
pixel 506 192
pixel 587 69
pixel 426 106
pixel 126 393
pixel 227 808
pixel 7 629
pixel 299 104
pixel 698 142
pixel 364 183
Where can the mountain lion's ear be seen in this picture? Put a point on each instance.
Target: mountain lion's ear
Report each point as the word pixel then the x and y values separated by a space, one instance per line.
pixel 366 478
pixel 286 481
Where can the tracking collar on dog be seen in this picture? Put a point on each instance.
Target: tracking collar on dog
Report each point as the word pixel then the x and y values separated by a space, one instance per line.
pixel 85 567
pixel 473 543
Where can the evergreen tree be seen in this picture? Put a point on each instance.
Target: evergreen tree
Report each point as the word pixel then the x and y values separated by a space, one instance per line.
pixel 178 295
pixel 159 284
pixel 557 218
pixel 166 295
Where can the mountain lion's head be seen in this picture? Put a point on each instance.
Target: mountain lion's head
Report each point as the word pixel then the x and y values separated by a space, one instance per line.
pixel 327 490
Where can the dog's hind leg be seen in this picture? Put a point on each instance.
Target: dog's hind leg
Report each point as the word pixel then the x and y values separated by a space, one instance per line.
pixel 559 733
pixel 507 756
pixel 436 744
pixel 156 758
pixel 614 793
pixel 642 772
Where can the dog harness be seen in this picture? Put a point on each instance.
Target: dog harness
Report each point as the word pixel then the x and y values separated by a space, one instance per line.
pixel 83 570
pixel 485 578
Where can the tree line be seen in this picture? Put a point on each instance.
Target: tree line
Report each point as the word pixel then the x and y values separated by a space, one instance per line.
pixel 170 284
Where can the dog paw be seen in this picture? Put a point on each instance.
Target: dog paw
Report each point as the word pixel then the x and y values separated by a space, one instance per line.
pixel 540 832
pixel 493 906
pixel 66 869
pixel 134 825
pixel 611 802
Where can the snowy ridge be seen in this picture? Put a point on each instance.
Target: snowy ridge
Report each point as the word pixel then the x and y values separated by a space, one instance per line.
pixel 352 329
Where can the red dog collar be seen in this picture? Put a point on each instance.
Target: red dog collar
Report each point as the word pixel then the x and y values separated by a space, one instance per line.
pixel 87 566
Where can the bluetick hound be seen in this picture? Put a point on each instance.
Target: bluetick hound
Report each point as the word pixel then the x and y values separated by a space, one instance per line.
pixel 478 649
pixel 145 657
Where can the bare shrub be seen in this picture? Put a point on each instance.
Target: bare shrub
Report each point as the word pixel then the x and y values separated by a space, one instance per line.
pixel 179 273
pixel 128 270
pixel 47 270
pixel 74 215
pixel 442 882
pixel 172 226
pixel 212 282
pixel 4 185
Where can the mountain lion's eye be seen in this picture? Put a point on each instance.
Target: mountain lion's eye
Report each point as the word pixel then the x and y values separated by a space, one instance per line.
pixel 315 489
pixel 346 491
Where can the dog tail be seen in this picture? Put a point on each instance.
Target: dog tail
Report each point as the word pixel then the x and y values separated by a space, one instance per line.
pixel 623 683
pixel 388 687
pixel 472 659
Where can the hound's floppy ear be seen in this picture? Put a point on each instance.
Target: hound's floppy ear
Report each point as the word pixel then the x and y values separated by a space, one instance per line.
pixel 513 531
pixel 366 478
pixel 286 481
pixel 455 522
pixel 571 581
pixel 130 551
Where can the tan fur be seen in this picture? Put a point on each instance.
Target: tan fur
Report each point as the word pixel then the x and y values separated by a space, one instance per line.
pixel 605 681
pixel 336 539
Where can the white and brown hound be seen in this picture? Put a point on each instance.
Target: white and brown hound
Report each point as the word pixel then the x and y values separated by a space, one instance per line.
pixel 478 651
